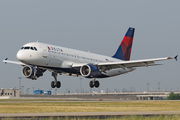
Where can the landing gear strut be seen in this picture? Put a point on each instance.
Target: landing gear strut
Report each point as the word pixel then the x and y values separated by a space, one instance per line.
pixel 94 83
pixel 55 83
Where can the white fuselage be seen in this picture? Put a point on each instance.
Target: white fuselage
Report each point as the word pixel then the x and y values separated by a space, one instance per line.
pixel 61 58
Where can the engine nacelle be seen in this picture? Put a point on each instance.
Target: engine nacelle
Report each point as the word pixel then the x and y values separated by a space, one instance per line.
pixel 89 71
pixel 28 72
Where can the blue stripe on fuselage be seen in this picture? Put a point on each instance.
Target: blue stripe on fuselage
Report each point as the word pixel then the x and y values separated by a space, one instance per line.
pixel 70 70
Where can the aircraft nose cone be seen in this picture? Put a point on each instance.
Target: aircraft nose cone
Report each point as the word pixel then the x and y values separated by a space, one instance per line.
pixel 20 55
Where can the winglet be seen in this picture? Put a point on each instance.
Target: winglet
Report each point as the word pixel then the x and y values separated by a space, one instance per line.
pixel 176 57
pixel 6 59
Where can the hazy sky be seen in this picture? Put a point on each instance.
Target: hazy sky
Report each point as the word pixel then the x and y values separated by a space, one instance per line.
pixel 98 26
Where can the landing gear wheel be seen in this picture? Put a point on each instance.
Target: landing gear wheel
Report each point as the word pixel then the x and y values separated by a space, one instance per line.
pixel 96 84
pixel 52 84
pixel 91 84
pixel 55 83
pixel 58 84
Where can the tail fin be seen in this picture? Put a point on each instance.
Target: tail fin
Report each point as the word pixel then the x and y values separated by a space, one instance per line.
pixel 124 50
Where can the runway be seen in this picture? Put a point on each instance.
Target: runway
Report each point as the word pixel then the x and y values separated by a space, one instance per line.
pixel 86 114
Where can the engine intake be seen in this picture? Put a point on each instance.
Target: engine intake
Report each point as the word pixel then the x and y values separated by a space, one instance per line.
pixel 28 72
pixel 89 71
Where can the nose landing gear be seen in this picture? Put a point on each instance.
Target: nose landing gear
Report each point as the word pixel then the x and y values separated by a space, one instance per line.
pixel 55 83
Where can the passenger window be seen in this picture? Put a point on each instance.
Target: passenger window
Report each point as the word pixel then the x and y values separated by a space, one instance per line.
pixel 35 48
pixel 32 48
pixel 22 48
pixel 26 47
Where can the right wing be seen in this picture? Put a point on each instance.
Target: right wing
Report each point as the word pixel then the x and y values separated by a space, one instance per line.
pixel 13 62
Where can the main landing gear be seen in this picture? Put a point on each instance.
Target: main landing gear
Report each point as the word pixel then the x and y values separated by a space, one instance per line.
pixel 55 83
pixel 94 83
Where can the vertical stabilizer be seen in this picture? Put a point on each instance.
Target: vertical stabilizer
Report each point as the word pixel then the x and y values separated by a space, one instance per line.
pixel 124 50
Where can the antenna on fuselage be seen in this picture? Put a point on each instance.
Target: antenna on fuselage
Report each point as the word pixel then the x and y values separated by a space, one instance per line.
pixel 37 41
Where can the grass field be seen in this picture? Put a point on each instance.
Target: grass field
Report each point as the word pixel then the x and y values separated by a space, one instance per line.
pixel 174 117
pixel 49 107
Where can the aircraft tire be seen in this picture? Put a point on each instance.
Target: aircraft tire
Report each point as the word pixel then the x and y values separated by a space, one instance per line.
pixel 58 84
pixel 52 84
pixel 91 84
pixel 96 84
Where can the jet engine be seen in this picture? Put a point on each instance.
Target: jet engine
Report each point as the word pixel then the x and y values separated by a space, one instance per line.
pixel 89 71
pixel 31 72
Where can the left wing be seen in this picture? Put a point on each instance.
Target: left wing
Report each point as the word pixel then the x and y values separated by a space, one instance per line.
pixel 126 64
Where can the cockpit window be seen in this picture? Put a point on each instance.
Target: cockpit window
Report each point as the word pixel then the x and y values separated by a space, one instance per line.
pixel 35 48
pixel 26 47
pixel 32 48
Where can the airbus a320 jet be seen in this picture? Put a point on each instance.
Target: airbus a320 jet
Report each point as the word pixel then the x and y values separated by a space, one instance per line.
pixel 36 58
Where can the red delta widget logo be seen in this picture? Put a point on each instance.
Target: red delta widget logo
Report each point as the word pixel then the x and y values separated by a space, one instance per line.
pixel 54 49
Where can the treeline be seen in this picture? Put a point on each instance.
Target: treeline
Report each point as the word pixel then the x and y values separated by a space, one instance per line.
pixel 173 96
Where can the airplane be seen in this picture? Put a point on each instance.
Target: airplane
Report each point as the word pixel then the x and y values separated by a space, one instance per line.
pixel 36 58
